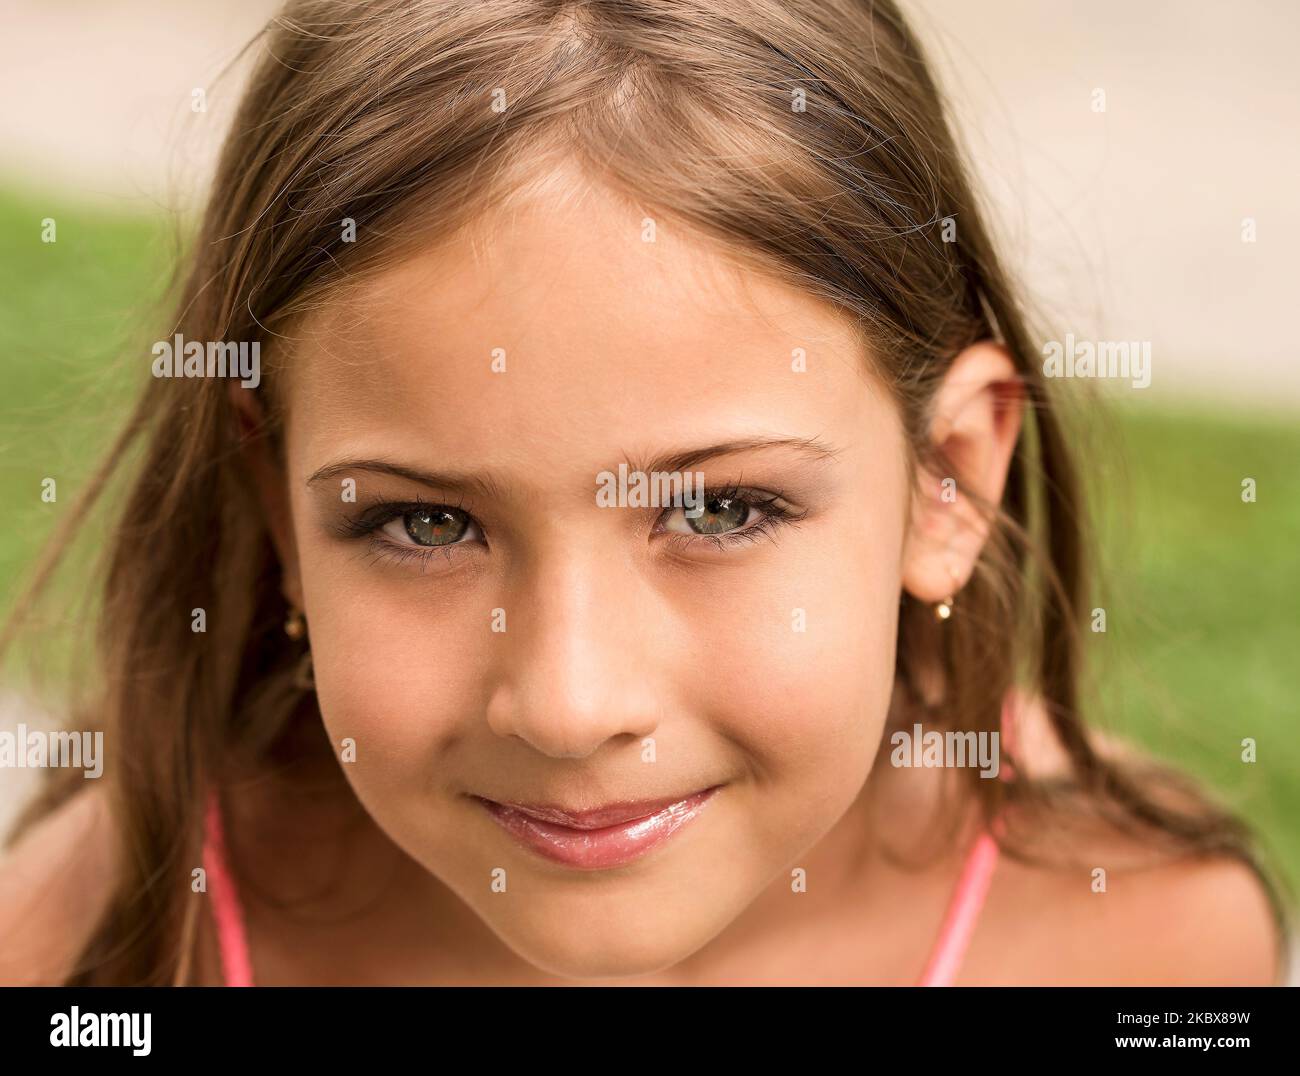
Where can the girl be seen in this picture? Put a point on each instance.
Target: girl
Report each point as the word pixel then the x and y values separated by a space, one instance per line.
pixel 390 696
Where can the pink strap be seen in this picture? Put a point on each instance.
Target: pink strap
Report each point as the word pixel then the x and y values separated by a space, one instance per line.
pixel 237 968
pixel 963 913
pixel 972 887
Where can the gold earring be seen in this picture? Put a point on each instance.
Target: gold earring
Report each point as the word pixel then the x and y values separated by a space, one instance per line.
pixel 304 675
pixel 295 625
pixel 943 609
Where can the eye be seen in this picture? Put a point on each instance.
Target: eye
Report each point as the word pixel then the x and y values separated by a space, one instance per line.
pixel 718 515
pixel 430 527
pixel 728 517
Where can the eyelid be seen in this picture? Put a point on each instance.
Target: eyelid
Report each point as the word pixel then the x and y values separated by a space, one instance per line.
pixel 751 495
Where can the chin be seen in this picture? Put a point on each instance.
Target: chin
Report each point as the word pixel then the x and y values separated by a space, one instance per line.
pixel 584 949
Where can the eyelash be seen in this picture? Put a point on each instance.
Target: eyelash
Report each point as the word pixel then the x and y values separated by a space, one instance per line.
pixel 773 514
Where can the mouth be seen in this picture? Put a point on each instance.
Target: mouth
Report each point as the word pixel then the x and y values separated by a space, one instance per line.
pixel 605 837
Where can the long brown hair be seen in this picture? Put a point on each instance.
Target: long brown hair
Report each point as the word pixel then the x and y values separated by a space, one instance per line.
pixel 809 138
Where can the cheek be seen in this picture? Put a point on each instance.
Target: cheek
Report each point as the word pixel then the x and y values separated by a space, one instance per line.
pixel 802 674
pixel 400 677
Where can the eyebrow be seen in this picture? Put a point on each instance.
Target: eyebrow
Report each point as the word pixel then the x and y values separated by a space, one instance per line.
pixel 686 458
pixel 487 486
pixel 481 485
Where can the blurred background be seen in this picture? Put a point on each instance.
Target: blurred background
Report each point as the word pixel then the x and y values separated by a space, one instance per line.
pixel 1141 162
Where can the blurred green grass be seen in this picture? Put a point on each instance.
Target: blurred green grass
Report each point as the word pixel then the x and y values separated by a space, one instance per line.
pixel 1202 639
pixel 70 313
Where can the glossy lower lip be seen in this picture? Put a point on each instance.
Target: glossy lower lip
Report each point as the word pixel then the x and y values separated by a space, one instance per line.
pixel 602 846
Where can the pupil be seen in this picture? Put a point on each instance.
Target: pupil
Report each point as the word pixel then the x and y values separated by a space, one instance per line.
pixel 434 526
pixel 721 514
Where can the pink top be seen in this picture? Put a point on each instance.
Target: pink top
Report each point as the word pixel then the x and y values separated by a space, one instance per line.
pixel 940 970
pixel 235 962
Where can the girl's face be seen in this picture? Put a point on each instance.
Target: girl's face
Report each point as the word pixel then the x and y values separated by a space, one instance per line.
pixel 485 629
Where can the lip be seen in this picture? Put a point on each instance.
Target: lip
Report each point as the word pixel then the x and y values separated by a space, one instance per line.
pixel 601 838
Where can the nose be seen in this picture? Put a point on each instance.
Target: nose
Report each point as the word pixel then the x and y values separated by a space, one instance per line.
pixel 576 665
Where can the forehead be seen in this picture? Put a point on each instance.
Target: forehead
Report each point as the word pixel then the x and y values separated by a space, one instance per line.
pixel 571 325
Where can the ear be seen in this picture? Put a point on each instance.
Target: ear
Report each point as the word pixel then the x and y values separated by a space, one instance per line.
pixel 977 414
pixel 257 452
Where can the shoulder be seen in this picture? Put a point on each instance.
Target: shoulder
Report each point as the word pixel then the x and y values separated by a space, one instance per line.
pixel 55 883
pixel 1190 923
pixel 1207 922
pixel 1125 915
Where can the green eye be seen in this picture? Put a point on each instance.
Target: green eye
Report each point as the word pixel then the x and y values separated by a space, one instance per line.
pixel 719 515
pixel 435 526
